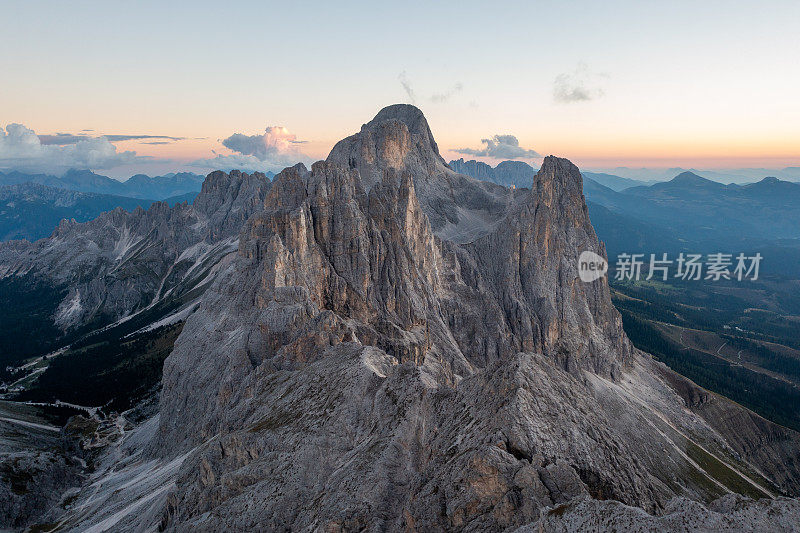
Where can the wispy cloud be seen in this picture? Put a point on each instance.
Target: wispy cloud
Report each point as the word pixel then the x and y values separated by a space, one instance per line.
pixel 436 98
pixel 579 85
pixel 63 139
pixel 22 149
pixel 119 138
pixel 500 147
pixel 404 81
pixel 446 95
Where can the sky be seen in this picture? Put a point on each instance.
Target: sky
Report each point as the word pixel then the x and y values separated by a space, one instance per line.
pixel 154 87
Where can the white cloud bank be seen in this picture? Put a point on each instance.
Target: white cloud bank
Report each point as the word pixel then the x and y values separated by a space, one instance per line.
pixel 21 149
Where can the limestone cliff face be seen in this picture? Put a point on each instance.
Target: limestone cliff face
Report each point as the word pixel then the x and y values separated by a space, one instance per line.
pixel 528 286
pixel 400 347
pixel 520 246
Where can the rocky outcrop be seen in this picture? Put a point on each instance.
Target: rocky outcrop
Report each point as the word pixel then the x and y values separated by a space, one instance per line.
pixel 36 466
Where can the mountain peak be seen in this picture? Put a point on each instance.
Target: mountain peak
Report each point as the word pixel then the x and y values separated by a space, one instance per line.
pixel 689 178
pixel 561 168
pixel 559 181
pixel 410 115
pixel 397 138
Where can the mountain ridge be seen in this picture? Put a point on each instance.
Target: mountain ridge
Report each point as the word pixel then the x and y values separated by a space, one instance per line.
pixel 507 173
pixel 32 211
pixel 138 186
pixel 122 262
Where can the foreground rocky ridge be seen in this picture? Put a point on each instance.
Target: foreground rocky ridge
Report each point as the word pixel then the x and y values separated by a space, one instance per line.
pixel 399 347
pixel 729 513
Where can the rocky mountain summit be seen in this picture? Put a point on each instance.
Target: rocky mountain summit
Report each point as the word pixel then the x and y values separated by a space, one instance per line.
pixel 396 346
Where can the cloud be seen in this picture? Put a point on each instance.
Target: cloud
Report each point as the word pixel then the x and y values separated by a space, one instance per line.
pixel 276 145
pixel 119 138
pixel 21 149
pixel 63 139
pixel 445 96
pixel 500 147
pixel 403 77
pixel 437 98
pixel 275 149
pixel 580 85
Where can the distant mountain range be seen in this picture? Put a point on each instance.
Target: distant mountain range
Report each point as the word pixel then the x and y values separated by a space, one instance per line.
pixel 32 205
pixel 697 208
pixel 32 211
pixel 622 178
pixel 687 213
pixel 138 186
pixel 615 183
pixel 733 175
pixel 520 174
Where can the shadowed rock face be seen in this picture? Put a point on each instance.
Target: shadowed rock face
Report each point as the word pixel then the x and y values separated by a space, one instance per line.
pixel 401 347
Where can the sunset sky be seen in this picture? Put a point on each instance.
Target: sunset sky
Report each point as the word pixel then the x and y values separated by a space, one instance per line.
pixel 607 84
